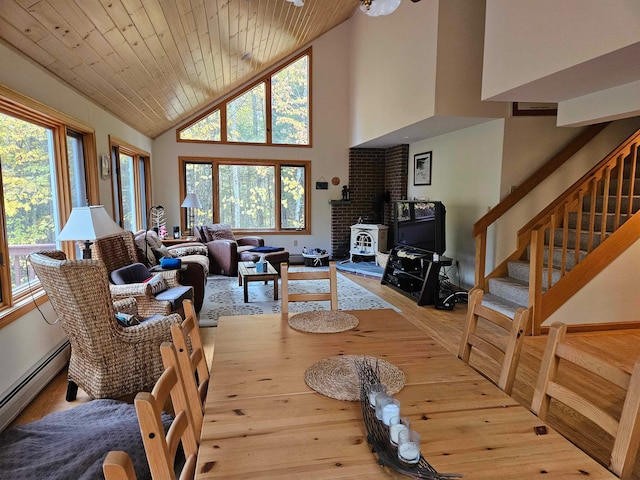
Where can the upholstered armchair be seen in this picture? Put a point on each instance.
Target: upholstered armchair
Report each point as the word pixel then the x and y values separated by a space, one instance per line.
pixel 225 250
pixel 193 255
pixel 108 360
pixel 118 253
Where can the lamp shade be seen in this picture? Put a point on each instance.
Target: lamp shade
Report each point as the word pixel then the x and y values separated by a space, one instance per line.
pixel 191 201
pixel 88 223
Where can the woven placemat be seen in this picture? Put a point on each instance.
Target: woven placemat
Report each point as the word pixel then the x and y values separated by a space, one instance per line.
pixel 337 377
pixel 323 321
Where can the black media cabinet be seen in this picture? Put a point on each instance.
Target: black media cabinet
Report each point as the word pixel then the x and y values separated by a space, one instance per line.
pixel 415 273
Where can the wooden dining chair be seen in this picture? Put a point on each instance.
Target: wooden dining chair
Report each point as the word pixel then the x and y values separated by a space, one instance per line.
pixel 626 430
pixel 160 448
pixel 191 361
pixel 331 295
pixel 501 341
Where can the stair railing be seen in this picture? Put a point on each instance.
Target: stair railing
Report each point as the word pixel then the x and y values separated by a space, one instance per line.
pixel 482 225
pixel 547 235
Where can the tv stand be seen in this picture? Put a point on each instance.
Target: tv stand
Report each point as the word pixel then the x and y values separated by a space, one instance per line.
pixel 415 273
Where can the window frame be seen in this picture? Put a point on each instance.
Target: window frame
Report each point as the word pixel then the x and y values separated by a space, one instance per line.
pixel 142 182
pixel 20 106
pixel 266 79
pixel 216 162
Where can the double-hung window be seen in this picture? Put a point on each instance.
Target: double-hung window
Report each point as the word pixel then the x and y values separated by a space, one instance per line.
pixel 47 165
pixel 251 195
pixel 131 185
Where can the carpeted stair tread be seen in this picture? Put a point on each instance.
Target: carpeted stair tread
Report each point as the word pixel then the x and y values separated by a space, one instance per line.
pixel 499 304
pixel 512 290
pixel 519 270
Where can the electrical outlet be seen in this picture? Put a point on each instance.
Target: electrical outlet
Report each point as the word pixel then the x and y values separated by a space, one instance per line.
pixel 295 243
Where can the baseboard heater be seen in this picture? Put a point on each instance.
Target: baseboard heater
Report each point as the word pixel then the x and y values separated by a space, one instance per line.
pixel 21 393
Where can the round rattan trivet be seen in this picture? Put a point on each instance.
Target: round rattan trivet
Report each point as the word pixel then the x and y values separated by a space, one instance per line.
pixel 323 321
pixel 337 377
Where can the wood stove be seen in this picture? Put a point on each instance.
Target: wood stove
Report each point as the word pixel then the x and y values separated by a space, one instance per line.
pixel 367 239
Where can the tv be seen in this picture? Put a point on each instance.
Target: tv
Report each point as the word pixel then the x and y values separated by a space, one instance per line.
pixel 420 224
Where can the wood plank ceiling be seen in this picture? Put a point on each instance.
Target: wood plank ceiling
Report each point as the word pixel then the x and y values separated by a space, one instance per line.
pixel 152 63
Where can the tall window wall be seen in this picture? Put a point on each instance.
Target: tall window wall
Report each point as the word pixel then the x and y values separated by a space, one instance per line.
pixel 47 165
pixel 274 110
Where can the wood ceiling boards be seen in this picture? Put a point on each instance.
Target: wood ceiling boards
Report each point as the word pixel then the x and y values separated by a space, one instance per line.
pixel 153 63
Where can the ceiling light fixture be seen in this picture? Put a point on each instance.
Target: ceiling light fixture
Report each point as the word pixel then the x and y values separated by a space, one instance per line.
pixel 297 3
pixel 376 8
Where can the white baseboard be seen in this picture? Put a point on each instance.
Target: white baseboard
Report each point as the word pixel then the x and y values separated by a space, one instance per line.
pixel 22 392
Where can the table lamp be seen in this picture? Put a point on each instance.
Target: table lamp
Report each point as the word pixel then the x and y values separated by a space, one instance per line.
pixel 190 202
pixel 86 224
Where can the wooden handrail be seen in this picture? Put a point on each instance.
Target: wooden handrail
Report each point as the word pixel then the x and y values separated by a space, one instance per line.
pixel 591 174
pixel 599 207
pixel 538 176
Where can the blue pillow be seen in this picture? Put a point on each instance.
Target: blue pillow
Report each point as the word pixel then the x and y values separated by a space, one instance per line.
pixel 170 263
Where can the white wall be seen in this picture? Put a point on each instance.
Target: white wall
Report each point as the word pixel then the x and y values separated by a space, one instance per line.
pixel 329 155
pixel 392 71
pixel 459 62
pixel 465 176
pixel 528 40
pixel 26 341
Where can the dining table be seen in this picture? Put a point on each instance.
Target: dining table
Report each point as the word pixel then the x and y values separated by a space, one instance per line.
pixel 262 420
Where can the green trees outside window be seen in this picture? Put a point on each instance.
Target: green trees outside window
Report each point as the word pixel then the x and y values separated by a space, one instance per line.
pixel 251 195
pixel 275 110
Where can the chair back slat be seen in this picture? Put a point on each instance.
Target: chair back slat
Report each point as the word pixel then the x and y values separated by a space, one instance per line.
pixel 625 430
pixel 161 449
pixel 191 361
pixel 501 339
pixel 331 295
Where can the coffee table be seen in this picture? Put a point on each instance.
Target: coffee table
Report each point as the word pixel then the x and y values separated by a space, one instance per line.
pixel 247 273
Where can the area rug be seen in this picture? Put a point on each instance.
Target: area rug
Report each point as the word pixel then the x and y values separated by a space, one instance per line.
pixel 223 296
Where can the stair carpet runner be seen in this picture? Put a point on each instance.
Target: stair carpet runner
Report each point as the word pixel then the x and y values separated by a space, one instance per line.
pixel 507 294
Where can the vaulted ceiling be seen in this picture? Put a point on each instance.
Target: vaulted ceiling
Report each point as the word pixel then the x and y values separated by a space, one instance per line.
pixel 152 63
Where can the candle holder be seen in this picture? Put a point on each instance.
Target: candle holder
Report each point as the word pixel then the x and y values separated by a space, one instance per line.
pixel 378 433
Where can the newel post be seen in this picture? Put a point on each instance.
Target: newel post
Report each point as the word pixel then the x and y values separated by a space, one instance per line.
pixel 481 259
pixel 536 265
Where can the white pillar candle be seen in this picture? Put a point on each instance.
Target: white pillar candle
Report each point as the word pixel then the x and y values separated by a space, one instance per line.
pixel 409 446
pixel 391 409
pixel 394 431
pixel 374 390
pixel 409 453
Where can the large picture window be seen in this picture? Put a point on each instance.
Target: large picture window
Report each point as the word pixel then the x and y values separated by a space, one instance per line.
pixel 48 167
pixel 251 195
pixel 274 110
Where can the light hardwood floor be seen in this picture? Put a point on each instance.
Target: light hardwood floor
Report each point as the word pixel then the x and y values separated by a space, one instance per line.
pixel 446 326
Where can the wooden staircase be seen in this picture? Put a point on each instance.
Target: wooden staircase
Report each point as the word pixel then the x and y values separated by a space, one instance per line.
pixel 573 239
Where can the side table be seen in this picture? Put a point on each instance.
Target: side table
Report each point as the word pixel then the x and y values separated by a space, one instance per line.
pixel 176 241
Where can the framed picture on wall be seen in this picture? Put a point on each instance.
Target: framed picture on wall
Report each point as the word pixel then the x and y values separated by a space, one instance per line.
pixel 105 166
pixel 422 168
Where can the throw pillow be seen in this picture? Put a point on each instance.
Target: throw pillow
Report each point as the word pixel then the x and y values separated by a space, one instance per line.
pixel 126 319
pixel 161 252
pixel 190 250
pixel 157 283
pixel 220 231
pixel 145 248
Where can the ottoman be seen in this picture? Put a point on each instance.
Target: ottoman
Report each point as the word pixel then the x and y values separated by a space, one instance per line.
pixel 274 258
